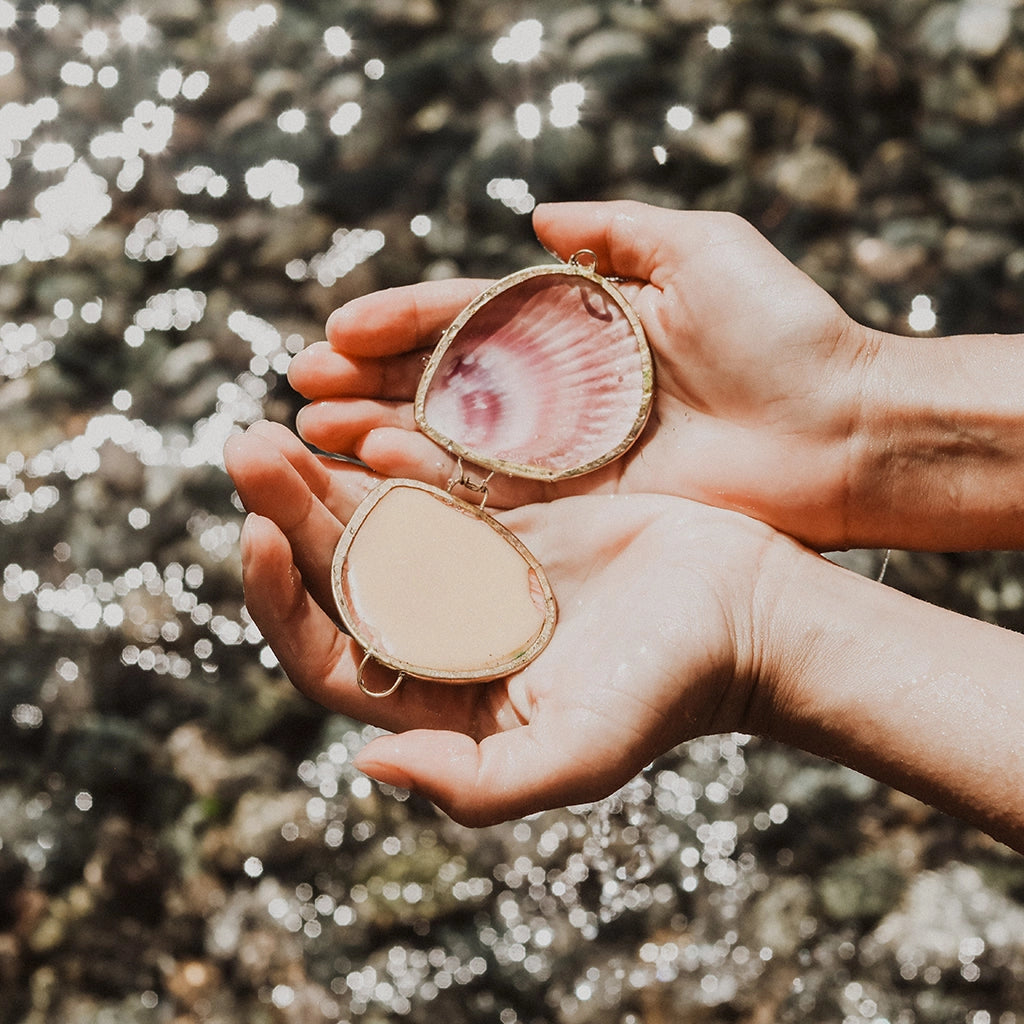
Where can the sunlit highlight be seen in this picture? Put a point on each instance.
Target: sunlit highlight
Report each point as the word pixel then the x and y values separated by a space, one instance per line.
pixel 134 29
pixel 292 121
pixel 157 236
pixel 345 118
pixel 347 250
pixel 246 24
pixel 195 85
pixel 77 204
pixel 53 156
pixel 47 16
pixel 202 179
pixel 513 193
pixel 74 72
pixel 922 317
pixel 337 41
pixel 566 100
pixel 276 180
pixel 95 43
pixel 679 117
pixel 528 120
pixel 168 84
pixel 521 45
pixel 719 37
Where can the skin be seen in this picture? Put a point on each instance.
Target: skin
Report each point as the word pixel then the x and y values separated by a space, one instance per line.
pixel 677 620
pixel 785 409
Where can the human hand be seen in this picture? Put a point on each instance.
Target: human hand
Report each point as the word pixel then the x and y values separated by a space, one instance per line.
pixel 656 640
pixel 757 371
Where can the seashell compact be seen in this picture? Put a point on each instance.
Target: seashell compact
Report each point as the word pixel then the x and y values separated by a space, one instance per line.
pixel 545 375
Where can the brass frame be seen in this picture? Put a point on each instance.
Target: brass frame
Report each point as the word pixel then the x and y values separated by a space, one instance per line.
pixel 574 268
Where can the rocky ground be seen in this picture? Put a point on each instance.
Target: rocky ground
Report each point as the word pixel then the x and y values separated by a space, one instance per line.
pixel 184 199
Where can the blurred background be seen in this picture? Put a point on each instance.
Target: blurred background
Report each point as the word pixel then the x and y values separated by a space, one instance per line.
pixel 186 191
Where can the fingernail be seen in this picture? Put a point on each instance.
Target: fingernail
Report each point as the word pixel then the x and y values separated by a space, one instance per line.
pixel 389 774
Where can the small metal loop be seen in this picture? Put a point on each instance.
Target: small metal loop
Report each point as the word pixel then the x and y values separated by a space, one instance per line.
pixel 459 479
pixel 586 259
pixel 376 693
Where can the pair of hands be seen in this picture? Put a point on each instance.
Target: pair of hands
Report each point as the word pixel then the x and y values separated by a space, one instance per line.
pixel 666 590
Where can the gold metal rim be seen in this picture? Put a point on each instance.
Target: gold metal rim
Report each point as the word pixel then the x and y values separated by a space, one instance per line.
pixel 525 470
pixel 353 626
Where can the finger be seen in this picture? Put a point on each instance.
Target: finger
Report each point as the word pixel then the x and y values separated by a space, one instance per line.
pixel 340 486
pixel 621 234
pixel 634 240
pixel 313 652
pixel 506 775
pixel 320 371
pixel 403 453
pixel 399 319
pixel 247 456
pixel 339 425
pixel 269 485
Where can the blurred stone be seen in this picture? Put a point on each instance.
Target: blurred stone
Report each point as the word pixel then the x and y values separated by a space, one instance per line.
pixel 178 18
pixel 613 59
pixel 725 141
pixel 13 87
pixel 961 95
pixel 983 27
pixel 119 469
pixel 975 252
pixel 937 31
pixel 887 263
pixel 270 826
pixel 863 887
pixel 185 363
pixel 894 166
pixel 213 771
pixel 300 237
pixel 1008 83
pixel 193 983
pixel 818 179
pixel 990 203
pixel 851 28
pixel 419 14
pixel 129 868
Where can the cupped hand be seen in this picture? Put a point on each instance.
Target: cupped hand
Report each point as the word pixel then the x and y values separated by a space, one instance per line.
pixel 656 640
pixel 757 371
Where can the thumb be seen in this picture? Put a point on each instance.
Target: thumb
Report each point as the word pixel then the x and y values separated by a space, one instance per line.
pixel 506 775
pixel 624 235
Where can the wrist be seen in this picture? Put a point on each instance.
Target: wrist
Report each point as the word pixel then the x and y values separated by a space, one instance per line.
pixel 915 696
pixel 783 636
pixel 939 461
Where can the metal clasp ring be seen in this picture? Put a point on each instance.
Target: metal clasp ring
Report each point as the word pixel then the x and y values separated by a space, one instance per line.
pixel 461 480
pixel 586 259
pixel 376 693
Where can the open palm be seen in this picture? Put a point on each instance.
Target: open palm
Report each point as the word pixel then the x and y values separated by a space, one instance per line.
pixel 645 654
pixel 756 370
